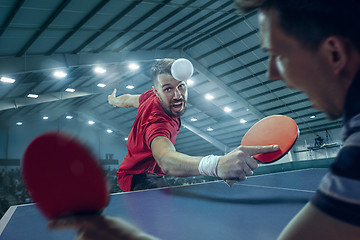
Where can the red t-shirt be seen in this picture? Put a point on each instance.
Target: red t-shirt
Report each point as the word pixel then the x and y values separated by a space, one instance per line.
pixel 151 121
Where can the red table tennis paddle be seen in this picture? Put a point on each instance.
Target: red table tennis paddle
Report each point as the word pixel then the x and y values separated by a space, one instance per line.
pixel 272 130
pixel 63 177
pixel 278 130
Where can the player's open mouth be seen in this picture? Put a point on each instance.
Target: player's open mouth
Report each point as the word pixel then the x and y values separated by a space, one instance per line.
pixel 178 106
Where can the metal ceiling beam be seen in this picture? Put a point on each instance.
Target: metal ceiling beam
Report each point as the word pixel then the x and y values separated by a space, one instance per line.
pixel 206 74
pixel 11 16
pixel 99 120
pixel 222 46
pixel 192 24
pixel 33 63
pixel 12 103
pixel 179 22
pixel 196 31
pixel 149 29
pixel 43 27
pixel 162 32
pixel 207 137
pixel 249 77
pixel 78 26
pixel 107 26
pixel 129 28
pixel 224 26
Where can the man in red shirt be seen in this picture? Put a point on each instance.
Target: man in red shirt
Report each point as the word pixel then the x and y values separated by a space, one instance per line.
pixel 151 151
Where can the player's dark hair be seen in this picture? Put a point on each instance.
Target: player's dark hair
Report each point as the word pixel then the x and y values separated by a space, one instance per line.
pixel 311 21
pixel 160 67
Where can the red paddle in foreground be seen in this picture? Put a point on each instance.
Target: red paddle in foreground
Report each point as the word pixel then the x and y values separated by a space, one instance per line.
pixel 272 130
pixel 278 130
pixel 63 177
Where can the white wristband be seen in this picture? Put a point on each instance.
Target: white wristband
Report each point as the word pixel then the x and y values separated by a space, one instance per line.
pixel 208 166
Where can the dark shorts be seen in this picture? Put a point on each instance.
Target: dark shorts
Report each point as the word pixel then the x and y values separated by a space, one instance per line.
pixel 147 181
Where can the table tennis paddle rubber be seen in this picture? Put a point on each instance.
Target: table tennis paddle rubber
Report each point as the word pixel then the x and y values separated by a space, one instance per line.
pixel 63 177
pixel 278 130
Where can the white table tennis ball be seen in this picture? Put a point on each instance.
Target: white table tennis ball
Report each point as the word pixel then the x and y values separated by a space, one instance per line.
pixel 182 69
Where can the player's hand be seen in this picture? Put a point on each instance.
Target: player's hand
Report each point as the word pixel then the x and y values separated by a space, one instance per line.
pixel 112 98
pixel 238 164
pixel 98 227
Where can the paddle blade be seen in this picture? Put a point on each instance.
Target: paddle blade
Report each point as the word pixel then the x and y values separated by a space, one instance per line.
pixel 272 130
pixel 62 176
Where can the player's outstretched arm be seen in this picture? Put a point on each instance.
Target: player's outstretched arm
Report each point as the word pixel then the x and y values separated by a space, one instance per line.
pixel 235 165
pixel 125 100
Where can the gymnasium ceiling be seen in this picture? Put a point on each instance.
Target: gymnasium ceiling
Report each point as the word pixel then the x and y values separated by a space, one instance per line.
pixel 40 36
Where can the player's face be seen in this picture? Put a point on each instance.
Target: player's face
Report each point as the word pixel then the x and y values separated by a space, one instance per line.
pixel 172 93
pixel 297 66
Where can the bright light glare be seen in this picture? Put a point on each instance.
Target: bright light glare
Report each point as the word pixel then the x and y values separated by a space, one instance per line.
pixel 59 74
pixel 101 85
pixel 31 95
pixel 189 82
pixel 19 123
pixel 313 116
pixel 193 119
pixel 130 87
pixel 45 117
pixel 210 129
pixel 7 80
pixel 133 66
pixel 91 122
pixel 126 139
pixel 243 121
pixel 227 109
pixel 70 90
pixel 69 117
pixel 209 96
pixel 109 131
pixel 99 70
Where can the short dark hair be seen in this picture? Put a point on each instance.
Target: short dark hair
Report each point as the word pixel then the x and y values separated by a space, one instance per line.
pixel 160 67
pixel 311 21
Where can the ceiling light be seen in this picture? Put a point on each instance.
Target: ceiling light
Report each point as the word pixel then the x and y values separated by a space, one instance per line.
pixel 19 123
pixel 193 119
pixel 189 82
pixel 133 66
pixel 109 131
pixel 99 70
pixel 130 87
pixel 313 116
pixel 210 129
pixel 45 117
pixel 209 96
pixel 101 85
pixel 7 80
pixel 59 74
pixel 69 117
pixel 32 95
pixel 70 90
pixel 91 122
pixel 227 109
pixel 243 121
pixel 126 139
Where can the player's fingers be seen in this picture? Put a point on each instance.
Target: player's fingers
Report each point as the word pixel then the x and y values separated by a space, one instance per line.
pixel 72 222
pixel 252 163
pixel 114 93
pixel 242 178
pixel 63 224
pixel 247 170
pixel 253 150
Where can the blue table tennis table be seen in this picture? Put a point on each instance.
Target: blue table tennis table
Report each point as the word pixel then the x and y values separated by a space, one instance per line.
pixel 258 208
